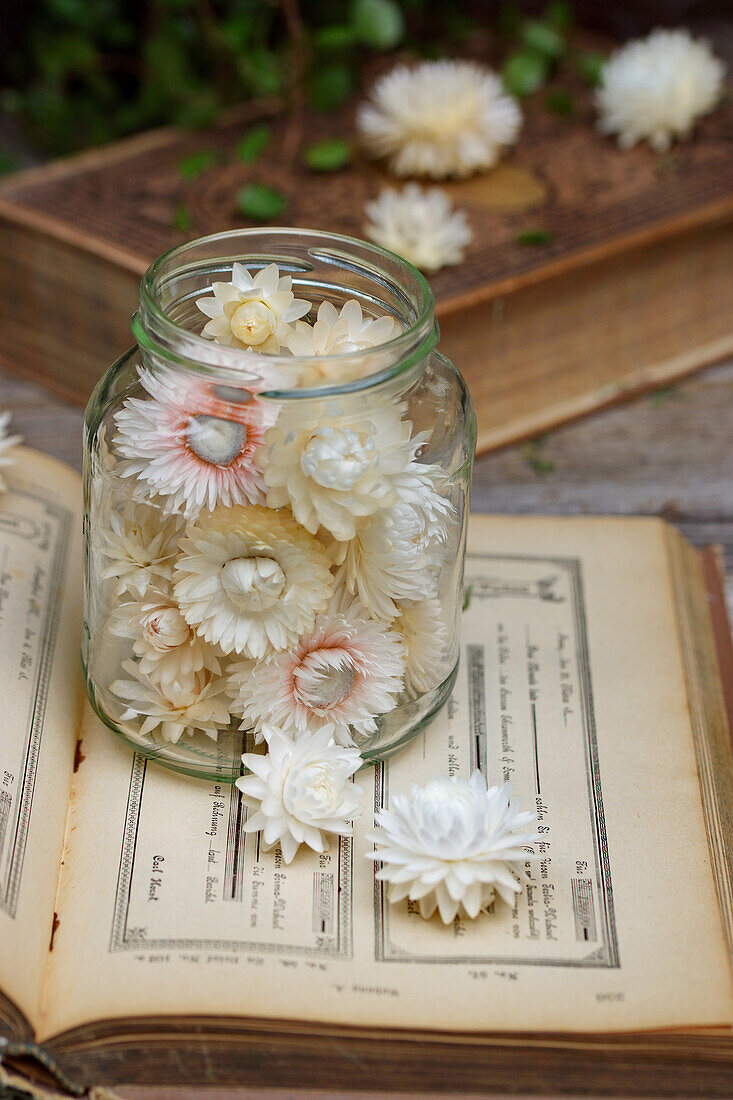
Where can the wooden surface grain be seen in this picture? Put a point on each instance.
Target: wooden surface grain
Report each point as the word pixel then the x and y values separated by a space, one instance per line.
pixel 669 453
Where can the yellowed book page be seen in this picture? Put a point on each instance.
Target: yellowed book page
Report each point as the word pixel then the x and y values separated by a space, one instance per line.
pixel 40 594
pixel 571 686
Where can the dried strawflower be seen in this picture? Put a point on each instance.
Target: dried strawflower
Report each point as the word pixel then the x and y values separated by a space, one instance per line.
pixel 251 580
pixel 140 548
pixel 420 225
pixel 422 625
pixel 197 705
pixel 6 442
pixel 339 678
pixel 452 846
pixel 253 312
pixel 301 791
pixel 340 471
pixel 170 651
pixel 654 89
pixel 438 119
pixel 191 448
pixel 388 561
pixel 337 332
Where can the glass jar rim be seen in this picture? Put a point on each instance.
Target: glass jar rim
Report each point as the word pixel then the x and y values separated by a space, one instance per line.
pixel 158 333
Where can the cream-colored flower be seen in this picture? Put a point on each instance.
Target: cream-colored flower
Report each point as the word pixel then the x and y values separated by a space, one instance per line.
pixel 341 470
pixel 340 677
pixel 198 705
pixel 420 225
pixel 301 791
pixel 452 846
pixel 337 332
pixel 6 443
pixel 170 651
pixel 423 627
pixel 251 580
pixel 140 546
pixel 654 89
pixel 438 119
pixel 388 560
pixel 253 312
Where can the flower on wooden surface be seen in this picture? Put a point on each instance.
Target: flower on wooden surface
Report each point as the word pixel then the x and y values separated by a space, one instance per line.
pixel 197 704
pixel 452 845
pixel 340 471
pixel 655 88
pixel 337 332
pixel 439 119
pixel 6 443
pixel 421 624
pixel 140 548
pixel 170 651
pixel 420 225
pixel 191 448
pixel 301 791
pixel 253 312
pixel 251 580
pixel 339 678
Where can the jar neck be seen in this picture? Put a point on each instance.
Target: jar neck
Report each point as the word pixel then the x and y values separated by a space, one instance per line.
pixel 319 267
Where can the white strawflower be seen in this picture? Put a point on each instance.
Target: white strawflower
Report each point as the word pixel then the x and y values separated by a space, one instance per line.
pixel 301 791
pixel 339 678
pixel 252 312
pixel 6 443
pixel 334 474
pixel 190 447
pixel 337 332
pixel 420 225
pixel 438 119
pixel 452 845
pixel 140 546
pixel 170 651
pixel 654 89
pixel 388 560
pixel 251 580
pixel 423 627
pixel 198 705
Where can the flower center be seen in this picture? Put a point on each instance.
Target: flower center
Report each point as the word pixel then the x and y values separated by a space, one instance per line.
pixel 252 323
pixel 336 458
pixel 310 792
pixel 323 679
pixel 215 440
pixel 166 629
pixel 253 584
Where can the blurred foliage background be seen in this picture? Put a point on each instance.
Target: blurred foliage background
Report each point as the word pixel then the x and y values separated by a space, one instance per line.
pixel 75 73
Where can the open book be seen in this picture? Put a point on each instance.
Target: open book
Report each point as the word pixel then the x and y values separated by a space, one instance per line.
pixel 144 937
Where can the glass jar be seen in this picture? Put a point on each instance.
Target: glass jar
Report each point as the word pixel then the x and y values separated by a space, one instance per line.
pixel 275 537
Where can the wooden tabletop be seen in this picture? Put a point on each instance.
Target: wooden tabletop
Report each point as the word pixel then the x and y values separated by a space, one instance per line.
pixel 669 453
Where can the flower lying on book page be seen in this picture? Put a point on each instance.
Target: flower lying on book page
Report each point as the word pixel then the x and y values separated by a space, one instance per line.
pixel 6 442
pixel 453 845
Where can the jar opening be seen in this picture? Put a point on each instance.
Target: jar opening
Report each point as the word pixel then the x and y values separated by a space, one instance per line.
pixel 323 267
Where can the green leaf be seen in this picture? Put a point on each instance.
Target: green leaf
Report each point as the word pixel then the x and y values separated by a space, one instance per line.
pixel 590 67
pixel 339 36
pixel 8 164
pixel 196 163
pixel 328 156
pixel 467 594
pixel 542 38
pixel 535 237
pixel 560 102
pixel 182 220
pixel 330 86
pixel 253 144
pixel 559 14
pixel 531 453
pixel 525 72
pixel 260 203
pixel 377 23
